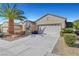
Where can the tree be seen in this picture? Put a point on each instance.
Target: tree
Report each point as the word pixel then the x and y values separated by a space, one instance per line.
pixel 11 13
pixel 76 24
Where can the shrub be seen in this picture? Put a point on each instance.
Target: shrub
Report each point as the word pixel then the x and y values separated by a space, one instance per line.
pixel 70 39
pixel 69 25
pixel 67 30
pixel 76 23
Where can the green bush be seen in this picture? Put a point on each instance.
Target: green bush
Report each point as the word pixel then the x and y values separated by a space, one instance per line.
pixel 69 24
pixel 67 30
pixel 76 23
pixel 70 39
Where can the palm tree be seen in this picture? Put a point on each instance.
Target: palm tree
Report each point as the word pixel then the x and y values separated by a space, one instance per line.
pixel 11 13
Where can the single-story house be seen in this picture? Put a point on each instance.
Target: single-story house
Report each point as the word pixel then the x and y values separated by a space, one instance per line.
pixel 51 23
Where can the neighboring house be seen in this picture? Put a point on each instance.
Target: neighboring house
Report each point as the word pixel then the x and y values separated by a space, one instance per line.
pixel 17 28
pixel 51 23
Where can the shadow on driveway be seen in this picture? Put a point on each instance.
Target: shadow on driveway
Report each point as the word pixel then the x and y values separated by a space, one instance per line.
pixel 76 45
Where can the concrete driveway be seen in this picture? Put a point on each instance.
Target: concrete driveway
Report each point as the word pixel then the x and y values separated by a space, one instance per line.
pixel 32 45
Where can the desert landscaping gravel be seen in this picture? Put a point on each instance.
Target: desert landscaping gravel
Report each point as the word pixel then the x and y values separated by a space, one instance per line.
pixel 61 49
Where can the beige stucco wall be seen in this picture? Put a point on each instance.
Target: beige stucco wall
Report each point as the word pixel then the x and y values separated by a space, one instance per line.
pixel 23 27
pixel 33 26
pixel 49 19
pixel 4 28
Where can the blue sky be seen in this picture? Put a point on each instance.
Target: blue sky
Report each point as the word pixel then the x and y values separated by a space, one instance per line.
pixel 34 11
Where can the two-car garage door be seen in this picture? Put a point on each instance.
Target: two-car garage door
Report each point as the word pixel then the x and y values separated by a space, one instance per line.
pixel 50 29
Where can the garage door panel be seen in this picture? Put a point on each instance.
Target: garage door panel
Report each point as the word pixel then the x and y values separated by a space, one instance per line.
pixel 50 29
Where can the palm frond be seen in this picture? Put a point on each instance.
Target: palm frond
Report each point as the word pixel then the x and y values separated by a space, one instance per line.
pixel 12 13
pixel 21 17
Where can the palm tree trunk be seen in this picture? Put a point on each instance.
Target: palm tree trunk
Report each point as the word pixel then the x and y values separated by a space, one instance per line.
pixel 11 26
